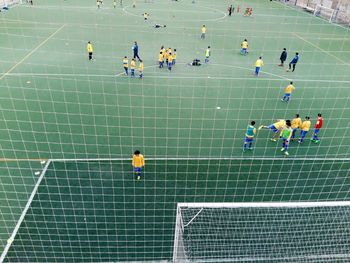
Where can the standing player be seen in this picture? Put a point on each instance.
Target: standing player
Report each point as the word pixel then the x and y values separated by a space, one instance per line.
pixel 305 127
pixel 283 57
pixel 244 47
pixel 90 50
pixel 286 134
pixel 174 56
pixel 203 30
pixel 288 91
pixel 138 162
pixel 296 124
pixel 135 49
pixel 207 55
pixel 126 65
pixel 132 68
pixel 170 61
pixel 317 127
pixel 275 127
pixel 141 69
pixel 249 136
pixel 293 62
pixel 114 3
pixel 161 59
pixel 258 64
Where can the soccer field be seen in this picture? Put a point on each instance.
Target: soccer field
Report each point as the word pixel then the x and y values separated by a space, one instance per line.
pixel 69 126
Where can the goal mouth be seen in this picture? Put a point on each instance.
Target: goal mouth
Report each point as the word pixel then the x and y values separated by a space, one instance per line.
pixel 262 232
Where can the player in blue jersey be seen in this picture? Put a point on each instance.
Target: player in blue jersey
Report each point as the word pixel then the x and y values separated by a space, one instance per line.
pixel 293 62
pixel 249 136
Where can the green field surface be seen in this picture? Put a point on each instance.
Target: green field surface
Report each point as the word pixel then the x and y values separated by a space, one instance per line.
pixel 88 118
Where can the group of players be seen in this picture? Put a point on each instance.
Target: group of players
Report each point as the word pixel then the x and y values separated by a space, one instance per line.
pixel 287 130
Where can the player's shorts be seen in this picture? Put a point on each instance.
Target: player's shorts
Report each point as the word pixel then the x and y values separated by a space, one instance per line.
pixel 303 133
pixel 317 130
pixel 248 139
pixel 244 50
pixel 287 94
pixel 137 169
pixel 273 128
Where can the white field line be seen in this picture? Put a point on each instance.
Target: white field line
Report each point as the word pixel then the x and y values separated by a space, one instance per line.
pixel 31 52
pixel 20 220
pixel 321 49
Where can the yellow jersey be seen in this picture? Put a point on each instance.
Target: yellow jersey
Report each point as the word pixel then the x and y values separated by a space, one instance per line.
pixel 141 66
pixel 296 123
pixel 289 89
pixel 280 124
pixel 125 63
pixel 138 160
pixel 89 48
pixel 161 57
pixel 132 64
pixel 244 44
pixel 204 30
pixel 163 51
pixel 305 126
pixel 170 58
pixel 259 63
pixel 174 55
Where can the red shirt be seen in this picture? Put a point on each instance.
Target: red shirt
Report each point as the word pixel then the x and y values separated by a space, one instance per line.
pixel 319 123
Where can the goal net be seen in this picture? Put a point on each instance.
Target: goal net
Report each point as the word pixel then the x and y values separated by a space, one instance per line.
pixel 7 3
pixel 324 12
pixel 262 232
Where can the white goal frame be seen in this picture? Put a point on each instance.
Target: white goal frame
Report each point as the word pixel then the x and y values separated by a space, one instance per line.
pixel 333 12
pixel 179 226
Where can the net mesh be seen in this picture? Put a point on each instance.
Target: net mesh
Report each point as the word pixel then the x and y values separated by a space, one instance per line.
pixel 268 234
pixel 82 120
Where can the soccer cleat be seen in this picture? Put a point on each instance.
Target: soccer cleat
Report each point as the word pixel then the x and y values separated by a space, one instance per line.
pixel 282 149
pixel 250 148
pixel 282 99
pixel 317 141
pixel 273 140
pixel 138 177
pixel 286 153
pixel 287 70
pixel 260 127
pixel 299 141
pixel 313 140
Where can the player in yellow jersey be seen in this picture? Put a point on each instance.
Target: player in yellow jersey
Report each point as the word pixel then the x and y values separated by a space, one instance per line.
pixel 203 30
pixel 288 92
pixel 132 68
pixel 90 50
pixel 305 127
pixel 174 56
pixel 138 162
pixel 161 59
pixel 170 61
pixel 126 65
pixel 258 64
pixel 296 124
pixel 244 46
pixel 207 55
pixel 141 69
pixel 275 127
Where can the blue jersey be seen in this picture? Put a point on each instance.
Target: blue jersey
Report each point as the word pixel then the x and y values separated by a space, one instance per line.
pixel 135 49
pixel 295 59
pixel 250 131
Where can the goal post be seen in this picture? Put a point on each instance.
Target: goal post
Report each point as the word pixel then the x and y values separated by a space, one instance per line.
pixel 324 12
pixel 7 3
pixel 262 232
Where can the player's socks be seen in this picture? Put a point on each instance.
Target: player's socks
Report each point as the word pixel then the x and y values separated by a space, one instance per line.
pixel 273 140
pixel 282 149
pixel 286 153
pixel 260 127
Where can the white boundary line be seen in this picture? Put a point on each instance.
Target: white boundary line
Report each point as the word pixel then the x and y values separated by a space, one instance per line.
pixel 207 159
pixel 321 49
pixel 20 220
pixel 31 52
pixel 183 20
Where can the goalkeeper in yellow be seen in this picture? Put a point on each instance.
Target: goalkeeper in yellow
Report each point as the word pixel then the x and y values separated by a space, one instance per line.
pixel 275 127
pixel 286 134
pixel 138 162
